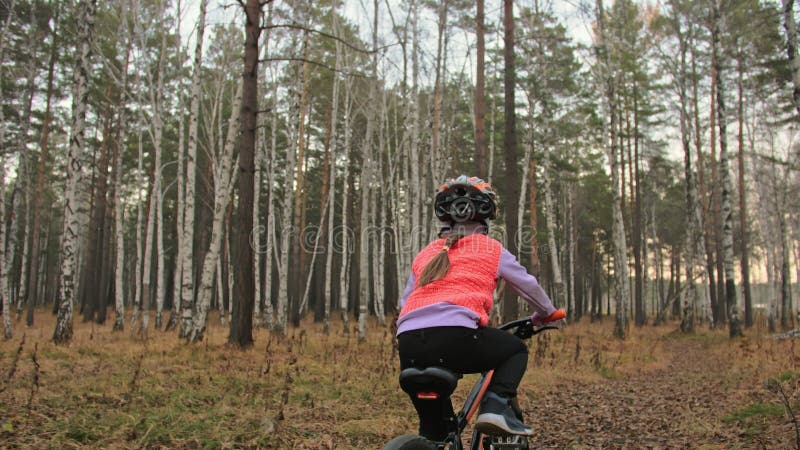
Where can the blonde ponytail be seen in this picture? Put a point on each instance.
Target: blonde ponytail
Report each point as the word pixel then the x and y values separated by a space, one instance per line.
pixel 439 265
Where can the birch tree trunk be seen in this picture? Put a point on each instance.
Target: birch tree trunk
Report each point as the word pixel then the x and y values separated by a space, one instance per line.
pixel 333 139
pixel 177 274
pixel 44 143
pixel 345 249
pixel 480 91
pixel 63 330
pixel 4 287
pixel 187 282
pixel 119 208
pixel 790 26
pixel 7 257
pixel 743 222
pixel 223 188
pixel 417 230
pixel 621 288
pixel 269 317
pixel 137 284
pixel 512 178
pixel 688 301
pixel 549 209
pixel 286 216
pixel 735 326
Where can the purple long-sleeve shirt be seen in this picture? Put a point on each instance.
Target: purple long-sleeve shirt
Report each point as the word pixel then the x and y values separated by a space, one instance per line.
pixel 448 314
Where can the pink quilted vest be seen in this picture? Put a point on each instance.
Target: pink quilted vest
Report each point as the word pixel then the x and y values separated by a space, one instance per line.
pixel 469 282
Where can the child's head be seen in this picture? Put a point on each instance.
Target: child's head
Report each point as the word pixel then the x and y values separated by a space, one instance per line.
pixel 465 199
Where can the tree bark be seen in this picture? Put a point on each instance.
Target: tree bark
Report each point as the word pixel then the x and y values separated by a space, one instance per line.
pixel 735 328
pixel 63 330
pixel 225 179
pixel 790 26
pixel 241 333
pixel 511 179
pixel 480 92
pixel 187 281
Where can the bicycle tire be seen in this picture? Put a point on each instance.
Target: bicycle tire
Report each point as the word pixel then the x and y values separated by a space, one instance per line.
pixel 409 442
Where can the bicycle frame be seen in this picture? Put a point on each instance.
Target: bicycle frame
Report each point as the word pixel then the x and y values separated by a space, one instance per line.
pixel 524 329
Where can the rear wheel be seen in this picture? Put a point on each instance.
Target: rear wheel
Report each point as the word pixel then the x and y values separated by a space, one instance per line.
pixel 409 442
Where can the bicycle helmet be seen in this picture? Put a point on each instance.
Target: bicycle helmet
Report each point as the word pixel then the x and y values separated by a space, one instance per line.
pixel 465 199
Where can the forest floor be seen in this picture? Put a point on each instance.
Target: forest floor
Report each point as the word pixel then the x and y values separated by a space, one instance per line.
pixel 311 390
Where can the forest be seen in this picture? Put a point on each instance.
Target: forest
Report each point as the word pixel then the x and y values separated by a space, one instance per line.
pixel 236 173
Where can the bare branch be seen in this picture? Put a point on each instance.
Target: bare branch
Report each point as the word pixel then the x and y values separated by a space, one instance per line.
pixel 327 35
pixel 316 63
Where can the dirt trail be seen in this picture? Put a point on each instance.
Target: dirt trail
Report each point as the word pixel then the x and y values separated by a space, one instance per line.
pixel 679 406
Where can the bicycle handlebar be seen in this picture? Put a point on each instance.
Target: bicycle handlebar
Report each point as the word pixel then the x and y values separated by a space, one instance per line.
pixel 524 328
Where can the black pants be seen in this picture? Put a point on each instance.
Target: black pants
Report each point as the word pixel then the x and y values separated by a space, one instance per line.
pixel 462 350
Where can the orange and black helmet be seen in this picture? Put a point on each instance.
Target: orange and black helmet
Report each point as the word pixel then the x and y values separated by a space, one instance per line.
pixel 465 199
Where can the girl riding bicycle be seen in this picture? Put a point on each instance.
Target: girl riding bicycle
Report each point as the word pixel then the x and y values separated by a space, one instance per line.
pixel 446 303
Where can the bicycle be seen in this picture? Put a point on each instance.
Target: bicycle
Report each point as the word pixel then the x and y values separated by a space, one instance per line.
pixel 435 383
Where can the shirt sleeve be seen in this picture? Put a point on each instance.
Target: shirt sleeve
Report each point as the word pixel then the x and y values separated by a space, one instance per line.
pixel 407 291
pixel 524 284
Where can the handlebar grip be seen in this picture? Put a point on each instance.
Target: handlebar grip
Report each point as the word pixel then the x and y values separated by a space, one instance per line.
pixel 557 315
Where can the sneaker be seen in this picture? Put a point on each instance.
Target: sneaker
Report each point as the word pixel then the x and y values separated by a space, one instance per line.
pixel 497 417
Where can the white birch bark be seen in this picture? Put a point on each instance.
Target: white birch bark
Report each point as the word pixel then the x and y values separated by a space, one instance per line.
pixel 6 260
pixel 550 220
pixel 137 284
pixel 220 291
pixel 310 276
pixel 119 208
pixel 225 179
pixel 4 290
pixel 69 240
pixel 187 283
pixel 286 221
pixel 269 315
pixel 331 201
pixel 790 27
pixel 180 188
pixel 344 275
pixel 154 214
pixel 417 230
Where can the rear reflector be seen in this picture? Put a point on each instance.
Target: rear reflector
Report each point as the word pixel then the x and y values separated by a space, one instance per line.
pixel 427 395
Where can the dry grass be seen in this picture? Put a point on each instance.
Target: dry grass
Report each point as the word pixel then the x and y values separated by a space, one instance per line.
pixel 311 390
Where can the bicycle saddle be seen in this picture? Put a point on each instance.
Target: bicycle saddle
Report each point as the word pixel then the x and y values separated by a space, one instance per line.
pixel 429 382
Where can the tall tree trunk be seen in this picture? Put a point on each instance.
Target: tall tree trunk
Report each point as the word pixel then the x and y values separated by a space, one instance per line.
pixel 187 267
pixel 269 317
pixel 241 333
pixel 8 247
pixel 295 93
pixel 735 327
pixel 41 174
pixel 225 179
pixel 703 207
pixel 535 264
pixel 689 297
pixel 790 26
pixel 63 330
pixel 480 92
pixel 511 179
pixel 621 287
pixel 333 139
pixel 93 293
pixel 550 215
pixel 744 239
pixel 177 275
pixel 119 208
pixel 414 131
pixel 297 267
